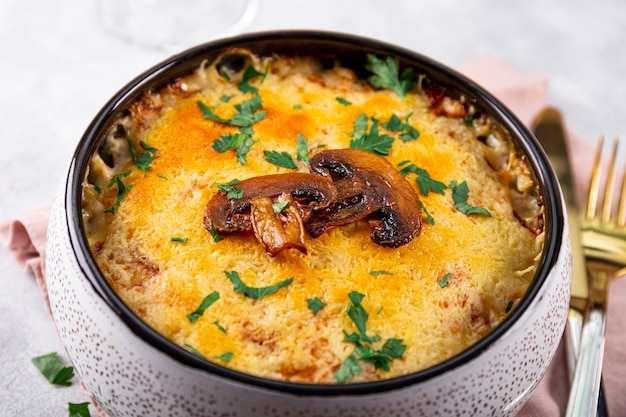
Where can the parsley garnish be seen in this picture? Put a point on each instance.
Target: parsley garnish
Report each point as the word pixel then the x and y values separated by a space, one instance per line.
pixel 381 273
pixel 363 344
pixel 423 179
pixel 386 75
pixel 162 176
pixel 206 303
pixel 142 159
pixel 51 367
pixel 78 410
pixel 179 239
pixel 343 101
pixel 241 142
pixel 443 282
pixel 252 292
pixel 469 120
pixel 509 306
pixel 250 73
pixel 281 159
pixel 219 326
pixel 225 357
pixel 429 218
pixel 297 106
pixel 122 189
pixel 194 350
pixel 214 234
pixel 302 148
pixel 230 189
pixel 225 98
pixel 407 132
pixel 460 194
pixel 372 141
pixel 315 305
pixel 280 206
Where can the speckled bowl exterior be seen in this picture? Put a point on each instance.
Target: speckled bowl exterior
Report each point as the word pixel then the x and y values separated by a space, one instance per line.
pixel 130 370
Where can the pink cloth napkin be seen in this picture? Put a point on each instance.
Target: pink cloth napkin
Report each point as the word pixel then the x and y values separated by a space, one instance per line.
pixel 526 96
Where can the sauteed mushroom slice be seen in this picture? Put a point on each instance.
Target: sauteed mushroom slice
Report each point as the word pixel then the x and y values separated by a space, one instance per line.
pixel 254 211
pixel 367 184
pixel 278 230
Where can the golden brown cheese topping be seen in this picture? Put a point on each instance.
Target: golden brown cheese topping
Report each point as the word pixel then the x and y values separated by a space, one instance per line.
pixel 299 285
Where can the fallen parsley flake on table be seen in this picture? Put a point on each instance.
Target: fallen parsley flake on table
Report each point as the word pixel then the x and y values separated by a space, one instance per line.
pixel 51 367
pixel 253 292
pixel 315 305
pixel 78 410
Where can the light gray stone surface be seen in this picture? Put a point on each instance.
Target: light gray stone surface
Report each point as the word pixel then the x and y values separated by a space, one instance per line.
pixel 59 66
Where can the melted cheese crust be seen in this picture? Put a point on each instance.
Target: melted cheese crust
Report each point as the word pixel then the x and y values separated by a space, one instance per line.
pixel 489 261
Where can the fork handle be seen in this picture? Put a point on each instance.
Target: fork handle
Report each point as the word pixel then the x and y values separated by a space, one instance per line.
pixel 583 398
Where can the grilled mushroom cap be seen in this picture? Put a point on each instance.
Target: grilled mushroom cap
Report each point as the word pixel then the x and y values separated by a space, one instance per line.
pixel 304 193
pixel 367 185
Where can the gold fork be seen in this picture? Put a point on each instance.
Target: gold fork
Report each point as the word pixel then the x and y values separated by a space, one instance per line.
pixel 604 244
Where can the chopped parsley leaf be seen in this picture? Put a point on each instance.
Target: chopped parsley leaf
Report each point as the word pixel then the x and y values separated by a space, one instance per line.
pixel 230 189
pixel 364 350
pixel 225 98
pixel 51 367
pixel 460 194
pixel 370 141
pixel 179 239
pixel 241 142
pixel 423 179
pixel 297 106
pixel 381 273
pixel 386 75
pixel 214 234
pixel 249 74
pixel 219 326
pixel 443 282
pixel 348 369
pixel 302 148
pixel 280 206
pixel 162 176
pixel 248 113
pixel 469 120
pixel 315 305
pixel 429 218
pixel 194 350
pixel 509 306
pixel 78 410
pixel 206 303
pixel 343 101
pixel 122 189
pixel 407 132
pixel 253 292
pixel 225 357
pixel 281 159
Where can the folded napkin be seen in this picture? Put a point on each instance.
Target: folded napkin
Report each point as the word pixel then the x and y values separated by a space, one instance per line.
pixel 526 96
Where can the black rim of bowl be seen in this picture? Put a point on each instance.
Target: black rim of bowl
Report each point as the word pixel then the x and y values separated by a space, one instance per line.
pixel 311 42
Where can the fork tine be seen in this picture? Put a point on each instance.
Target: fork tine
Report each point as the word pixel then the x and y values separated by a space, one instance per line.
pixel 594 184
pixel 607 207
pixel 621 211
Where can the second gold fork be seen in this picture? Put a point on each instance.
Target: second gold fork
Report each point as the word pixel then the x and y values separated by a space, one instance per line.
pixel 604 244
